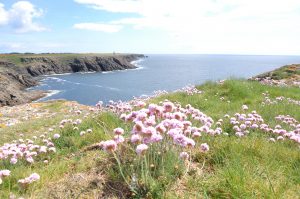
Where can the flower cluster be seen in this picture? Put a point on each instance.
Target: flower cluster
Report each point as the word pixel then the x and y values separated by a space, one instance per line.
pixel 190 90
pixel 169 122
pixel 3 174
pixel 26 149
pixel 243 124
pixel 26 181
pixel 280 99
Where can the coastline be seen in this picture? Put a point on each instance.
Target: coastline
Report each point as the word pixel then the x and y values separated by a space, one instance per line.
pixel 49 93
pixel 137 64
pixel 16 80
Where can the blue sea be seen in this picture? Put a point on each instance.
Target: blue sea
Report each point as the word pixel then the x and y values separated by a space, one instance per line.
pixel 157 72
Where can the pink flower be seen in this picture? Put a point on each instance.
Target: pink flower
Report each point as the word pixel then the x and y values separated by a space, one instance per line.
pixel 168 106
pixel 119 139
pixel 34 177
pixel 149 131
pixel 204 147
pixel 13 160
pixel 138 127
pixel 239 134
pixel 118 131
pixel 26 181
pixel 29 159
pixel 184 155
pixel 109 145
pixel 56 136
pixel 141 149
pixel 196 134
pixel 156 137
pixel 160 128
pixel 180 139
pixel 190 142
pixel 4 173
pixel 135 138
pixel 243 126
pixel 43 149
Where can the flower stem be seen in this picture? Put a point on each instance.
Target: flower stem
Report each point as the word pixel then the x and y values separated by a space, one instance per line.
pixel 121 172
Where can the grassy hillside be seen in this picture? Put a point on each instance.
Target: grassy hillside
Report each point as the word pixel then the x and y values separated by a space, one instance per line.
pixel 284 72
pixel 236 166
pixel 16 58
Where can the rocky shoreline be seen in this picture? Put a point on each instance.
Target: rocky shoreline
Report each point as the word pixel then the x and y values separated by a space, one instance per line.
pixel 16 77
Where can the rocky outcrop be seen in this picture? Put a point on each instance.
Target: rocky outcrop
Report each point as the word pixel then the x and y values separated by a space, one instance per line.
pixel 47 65
pixel 14 79
pixel 12 88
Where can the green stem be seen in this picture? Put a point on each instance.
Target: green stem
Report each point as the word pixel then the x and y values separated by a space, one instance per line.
pixel 121 172
pixel 146 169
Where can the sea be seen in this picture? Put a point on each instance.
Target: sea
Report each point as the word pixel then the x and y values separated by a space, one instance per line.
pixel 157 72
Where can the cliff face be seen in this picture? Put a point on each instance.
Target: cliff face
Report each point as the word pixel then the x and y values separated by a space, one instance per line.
pixel 12 88
pixel 45 66
pixel 15 79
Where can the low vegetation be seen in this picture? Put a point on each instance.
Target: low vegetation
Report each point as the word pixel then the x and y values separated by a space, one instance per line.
pixel 232 139
pixel 16 58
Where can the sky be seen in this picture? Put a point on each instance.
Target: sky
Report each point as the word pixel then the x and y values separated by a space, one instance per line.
pixel 260 27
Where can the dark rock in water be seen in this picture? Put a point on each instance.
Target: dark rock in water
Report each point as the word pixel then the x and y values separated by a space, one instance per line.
pixel 15 79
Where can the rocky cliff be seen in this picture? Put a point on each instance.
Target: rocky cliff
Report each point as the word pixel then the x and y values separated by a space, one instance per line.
pixel 15 78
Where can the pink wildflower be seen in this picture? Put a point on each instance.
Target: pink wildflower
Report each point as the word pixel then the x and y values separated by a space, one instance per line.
pixel 118 131
pixel 204 147
pixel 135 138
pixel 56 136
pixel 141 149
pixel 119 139
pixel 110 145
pixel 184 155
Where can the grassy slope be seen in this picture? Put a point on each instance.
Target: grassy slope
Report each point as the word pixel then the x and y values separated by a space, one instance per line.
pixel 249 167
pixel 284 72
pixel 16 58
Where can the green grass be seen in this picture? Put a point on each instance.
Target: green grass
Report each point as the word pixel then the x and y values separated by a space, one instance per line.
pixel 63 57
pixel 248 167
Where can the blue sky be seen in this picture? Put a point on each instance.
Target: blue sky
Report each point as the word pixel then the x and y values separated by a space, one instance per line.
pixel 151 26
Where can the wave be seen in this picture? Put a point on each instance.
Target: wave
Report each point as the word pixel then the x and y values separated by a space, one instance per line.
pixel 137 62
pixel 112 88
pixel 60 74
pixel 49 94
pixel 83 84
pixel 86 72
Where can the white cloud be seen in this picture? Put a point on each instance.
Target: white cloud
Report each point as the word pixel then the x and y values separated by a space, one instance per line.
pixel 35 47
pixel 109 28
pixel 215 26
pixel 3 15
pixel 20 17
pixel 11 46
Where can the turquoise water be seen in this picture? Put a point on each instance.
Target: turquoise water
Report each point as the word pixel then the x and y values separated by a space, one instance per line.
pixel 158 72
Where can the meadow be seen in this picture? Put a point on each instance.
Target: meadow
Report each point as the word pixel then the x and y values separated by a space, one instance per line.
pixel 228 139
